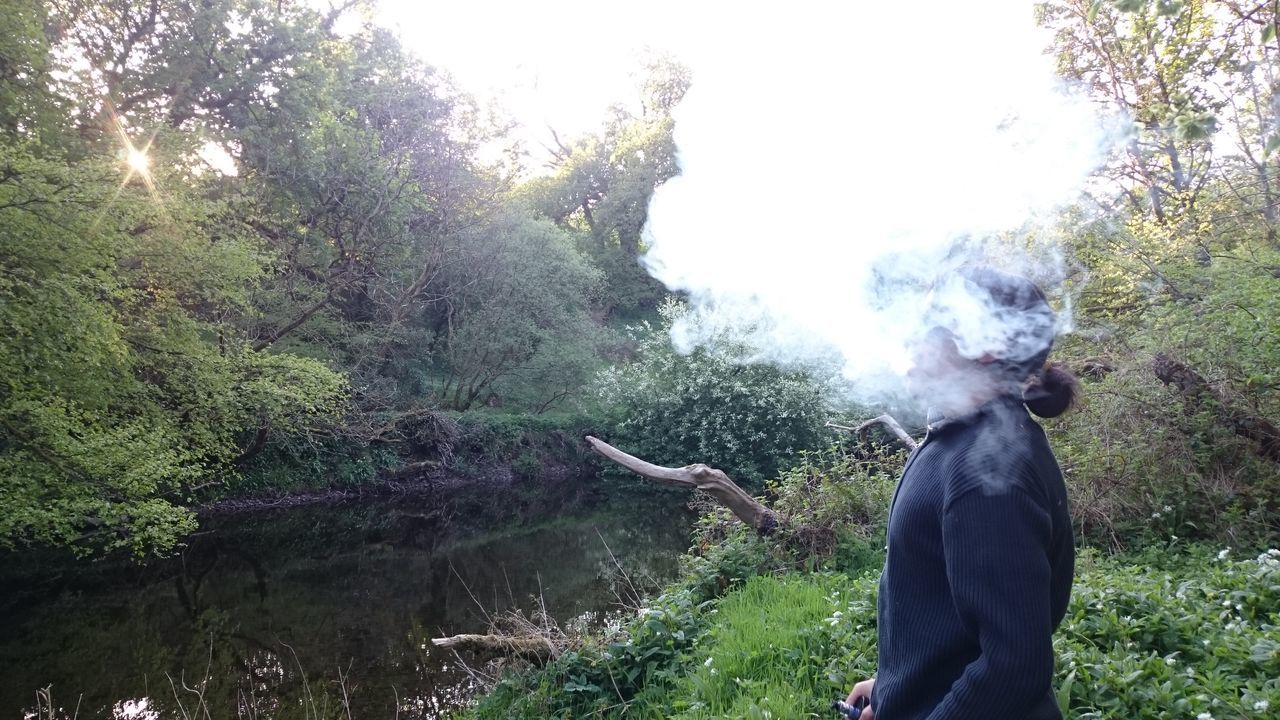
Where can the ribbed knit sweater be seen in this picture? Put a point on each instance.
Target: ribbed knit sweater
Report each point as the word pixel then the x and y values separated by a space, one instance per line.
pixel 977 574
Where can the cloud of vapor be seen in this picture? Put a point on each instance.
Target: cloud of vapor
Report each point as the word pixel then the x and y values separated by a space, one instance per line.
pixel 835 157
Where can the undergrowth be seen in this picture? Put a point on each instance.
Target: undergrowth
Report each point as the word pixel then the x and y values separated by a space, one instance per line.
pixel 779 628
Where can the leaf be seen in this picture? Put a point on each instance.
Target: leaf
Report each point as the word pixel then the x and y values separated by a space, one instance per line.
pixel 1093 11
pixel 1273 144
pixel 1064 693
pixel 1269 33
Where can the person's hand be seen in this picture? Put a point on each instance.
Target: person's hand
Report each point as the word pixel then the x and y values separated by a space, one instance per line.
pixel 863 690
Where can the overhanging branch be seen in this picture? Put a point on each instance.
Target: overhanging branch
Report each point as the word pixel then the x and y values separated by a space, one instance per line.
pixel 697 477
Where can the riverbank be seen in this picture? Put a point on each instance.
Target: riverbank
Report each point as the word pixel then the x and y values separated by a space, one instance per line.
pixel 778 627
pixel 560 482
pixel 439 453
pixel 1172 632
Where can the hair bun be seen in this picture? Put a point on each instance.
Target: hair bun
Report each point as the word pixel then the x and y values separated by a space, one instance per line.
pixel 1051 392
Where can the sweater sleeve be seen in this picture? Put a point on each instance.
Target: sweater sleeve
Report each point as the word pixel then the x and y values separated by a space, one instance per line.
pixel 996 547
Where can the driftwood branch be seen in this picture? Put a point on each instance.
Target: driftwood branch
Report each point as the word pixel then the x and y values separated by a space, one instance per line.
pixel 863 431
pixel 412 470
pixel 697 477
pixel 531 647
pixel 1197 393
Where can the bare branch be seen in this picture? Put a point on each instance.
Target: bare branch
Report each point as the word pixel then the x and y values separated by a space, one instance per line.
pixel 697 477
pixel 862 431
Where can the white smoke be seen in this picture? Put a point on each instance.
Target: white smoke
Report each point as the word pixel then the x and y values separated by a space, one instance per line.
pixel 835 157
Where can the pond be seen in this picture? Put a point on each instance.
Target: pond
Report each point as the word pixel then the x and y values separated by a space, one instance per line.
pixel 313 611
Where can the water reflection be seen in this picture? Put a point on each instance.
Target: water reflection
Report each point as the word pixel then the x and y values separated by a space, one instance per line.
pixel 304 612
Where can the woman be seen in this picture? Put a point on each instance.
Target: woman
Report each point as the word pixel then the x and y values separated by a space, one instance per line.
pixel 980 553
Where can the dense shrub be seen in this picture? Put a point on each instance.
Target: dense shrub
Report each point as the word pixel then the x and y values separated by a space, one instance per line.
pixel 1196 639
pixel 711 405
pixel 1145 461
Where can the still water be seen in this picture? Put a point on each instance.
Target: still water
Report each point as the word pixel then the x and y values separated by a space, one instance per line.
pixel 281 614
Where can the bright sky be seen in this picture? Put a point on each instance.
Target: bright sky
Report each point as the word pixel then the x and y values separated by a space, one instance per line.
pixel 561 62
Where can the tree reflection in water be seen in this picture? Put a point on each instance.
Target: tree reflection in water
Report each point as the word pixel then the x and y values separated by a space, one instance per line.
pixel 283 614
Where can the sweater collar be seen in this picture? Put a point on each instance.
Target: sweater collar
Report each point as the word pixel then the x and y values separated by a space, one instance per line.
pixel 938 422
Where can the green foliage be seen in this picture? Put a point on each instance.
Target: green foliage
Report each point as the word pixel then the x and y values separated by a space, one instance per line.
pixel 166 329
pixel 711 406
pixel 602 183
pixel 522 315
pixel 124 384
pixel 1143 460
pixel 1152 636
pixel 836 506
pixel 1197 637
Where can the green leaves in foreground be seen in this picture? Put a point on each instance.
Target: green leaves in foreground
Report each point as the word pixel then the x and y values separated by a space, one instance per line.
pixel 1195 641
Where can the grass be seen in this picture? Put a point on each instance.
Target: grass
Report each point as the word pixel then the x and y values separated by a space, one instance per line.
pixel 771 651
pixel 1183 632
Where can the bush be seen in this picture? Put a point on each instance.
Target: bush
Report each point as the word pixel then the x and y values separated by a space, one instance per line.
pixel 711 406
pixel 1140 470
pixel 836 507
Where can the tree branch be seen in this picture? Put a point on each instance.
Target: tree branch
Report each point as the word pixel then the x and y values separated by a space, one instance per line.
pixel 697 477
pixel 863 431
pixel 1197 392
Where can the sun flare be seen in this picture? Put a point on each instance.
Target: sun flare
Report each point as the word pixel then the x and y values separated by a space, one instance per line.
pixel 138 161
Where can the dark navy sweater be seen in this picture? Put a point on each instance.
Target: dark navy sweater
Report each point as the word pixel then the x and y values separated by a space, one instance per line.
pixel 977 573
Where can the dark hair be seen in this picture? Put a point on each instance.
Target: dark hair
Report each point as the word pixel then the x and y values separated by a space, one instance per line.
pixel 1048 389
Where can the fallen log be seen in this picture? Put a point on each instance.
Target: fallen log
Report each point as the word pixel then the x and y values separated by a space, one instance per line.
pixel 413 470
pixel 537 648
pixel 863 431
pixel 697 477
pixel 1197 392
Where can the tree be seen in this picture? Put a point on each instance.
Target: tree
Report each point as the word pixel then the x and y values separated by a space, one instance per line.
pixel 125 385
pixel 601 185
pixel 518 309
pixel 128 379
pixel 1156 61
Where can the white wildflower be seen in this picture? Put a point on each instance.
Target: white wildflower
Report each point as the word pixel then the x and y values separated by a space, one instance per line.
pixel 1261 705
pixel 1204 716
pixel 1222 554
pixel 707 663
